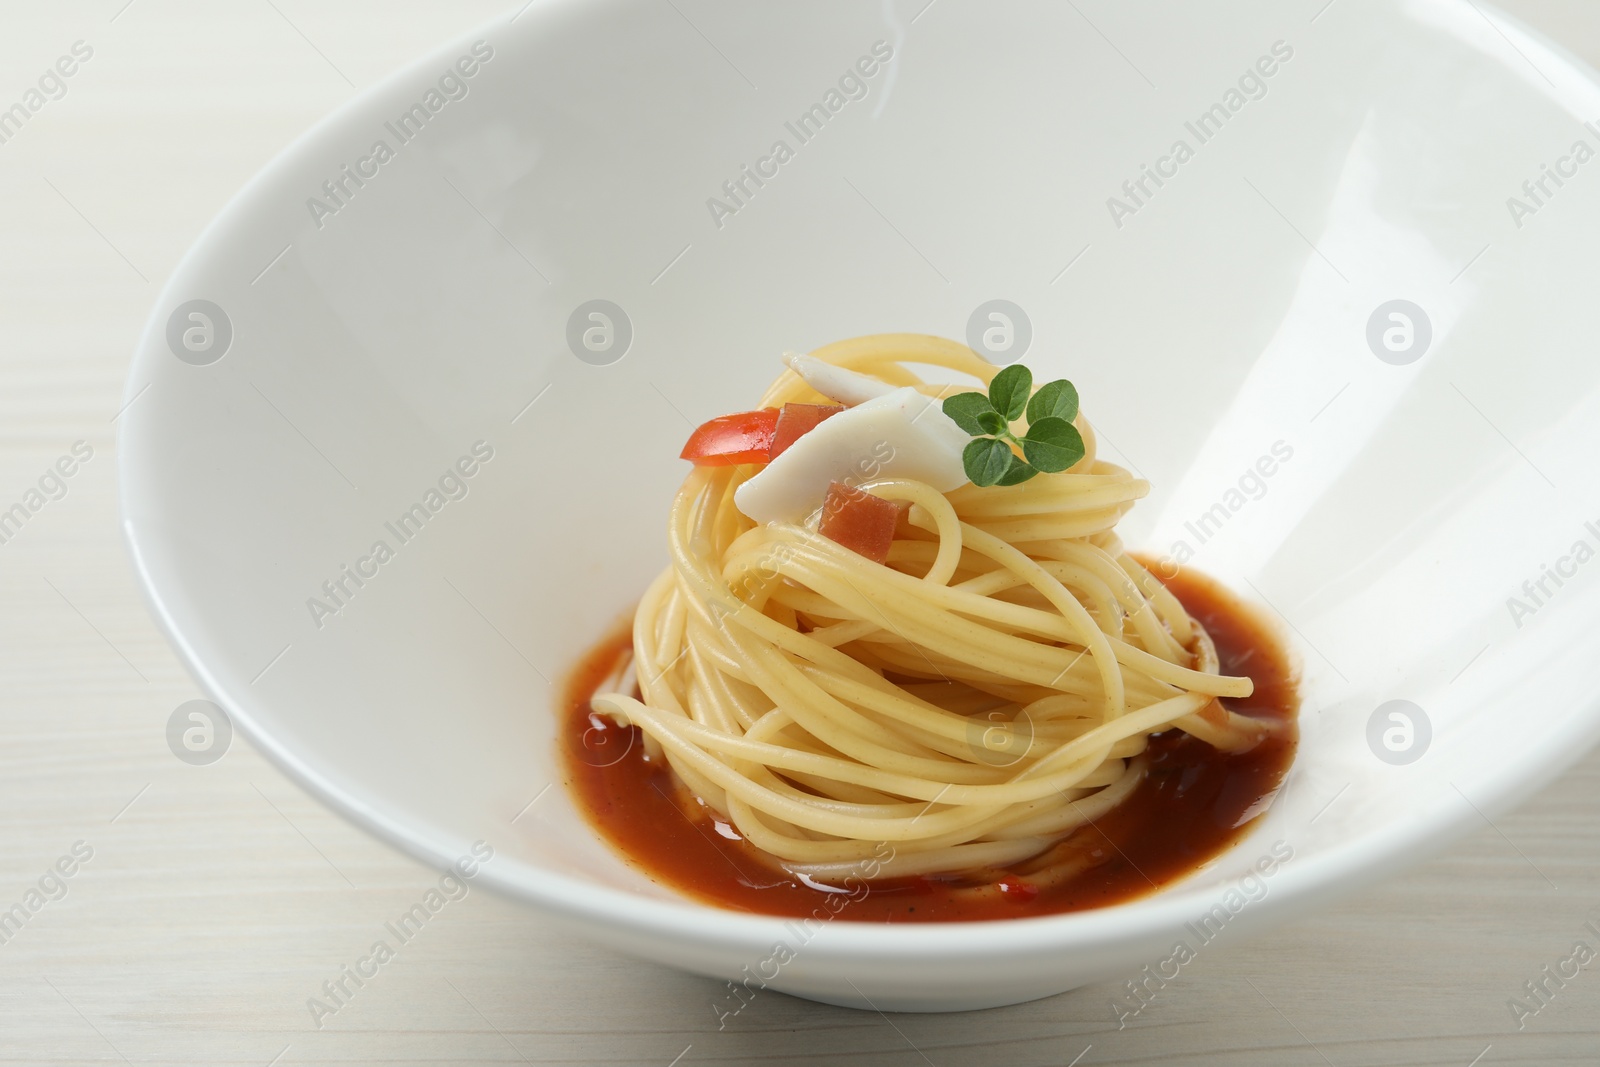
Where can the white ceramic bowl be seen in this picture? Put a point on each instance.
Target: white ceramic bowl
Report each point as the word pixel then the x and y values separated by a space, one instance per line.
pixel 354 355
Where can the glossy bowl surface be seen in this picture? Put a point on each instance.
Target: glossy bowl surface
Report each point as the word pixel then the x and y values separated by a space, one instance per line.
pixel 1210 216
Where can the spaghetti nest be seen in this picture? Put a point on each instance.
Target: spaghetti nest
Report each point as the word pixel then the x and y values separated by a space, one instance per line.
pixel 971 702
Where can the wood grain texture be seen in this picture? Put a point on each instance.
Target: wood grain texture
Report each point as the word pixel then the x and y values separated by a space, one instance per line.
pixel 220 898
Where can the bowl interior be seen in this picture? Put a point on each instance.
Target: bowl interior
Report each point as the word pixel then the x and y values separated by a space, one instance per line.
pixel 398 372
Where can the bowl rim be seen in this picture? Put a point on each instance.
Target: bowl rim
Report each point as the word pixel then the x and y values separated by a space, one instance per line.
pixel 1335 869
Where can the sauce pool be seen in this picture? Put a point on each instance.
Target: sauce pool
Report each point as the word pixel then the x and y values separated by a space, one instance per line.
pixel 1193 804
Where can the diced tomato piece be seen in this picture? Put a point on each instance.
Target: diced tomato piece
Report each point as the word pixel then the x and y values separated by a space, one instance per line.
pixel 859 521
pixel 797 419
pixel 729 439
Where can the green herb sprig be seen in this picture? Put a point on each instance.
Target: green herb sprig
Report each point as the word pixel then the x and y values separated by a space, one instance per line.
pixel 1050 444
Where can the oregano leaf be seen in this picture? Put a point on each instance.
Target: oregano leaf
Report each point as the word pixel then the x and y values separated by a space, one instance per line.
pixel 1054 400
pixel 1052 444
pixel 1010 389
pixel 986 460
pixel 966 409
pixel 1019 472
pixel 994 423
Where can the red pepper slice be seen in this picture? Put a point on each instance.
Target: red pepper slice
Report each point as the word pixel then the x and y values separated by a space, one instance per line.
pixel 745 437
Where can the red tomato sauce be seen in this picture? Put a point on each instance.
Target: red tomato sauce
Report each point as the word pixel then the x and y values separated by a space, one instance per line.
pixel 1194 803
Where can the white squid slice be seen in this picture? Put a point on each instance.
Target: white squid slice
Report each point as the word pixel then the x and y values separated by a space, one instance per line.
pixel 846 386
pixel 901 434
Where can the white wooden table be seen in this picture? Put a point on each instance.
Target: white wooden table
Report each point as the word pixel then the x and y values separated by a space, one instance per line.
pixel 218 899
